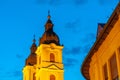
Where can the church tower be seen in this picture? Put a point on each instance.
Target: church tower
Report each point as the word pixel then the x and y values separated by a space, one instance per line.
pixel 46 63
pixel 29 70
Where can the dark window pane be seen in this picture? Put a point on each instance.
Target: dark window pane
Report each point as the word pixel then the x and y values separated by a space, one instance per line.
pixel 34 78
pixel 105 72
pixel 113 66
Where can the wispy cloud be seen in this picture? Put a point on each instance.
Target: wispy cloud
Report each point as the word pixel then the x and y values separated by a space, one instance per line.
pixel 74 51
pixel 17 73
pixel 90 37
pixel 79 2
pixel 104 2
pixel 72 2
pixel 88 42
pixel 83 50
pixel 60 2
pixel 86 48
pixel 68 62
pixel 50 2
pixel 8 75
pixel 19 56
pixel 73 25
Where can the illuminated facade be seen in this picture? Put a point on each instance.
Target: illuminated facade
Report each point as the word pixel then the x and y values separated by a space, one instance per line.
pixel 45 61
pixel 103 60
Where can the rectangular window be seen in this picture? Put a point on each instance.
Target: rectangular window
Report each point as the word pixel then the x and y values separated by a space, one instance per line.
pixel 119 51
pixel 113 67
pixel 105 72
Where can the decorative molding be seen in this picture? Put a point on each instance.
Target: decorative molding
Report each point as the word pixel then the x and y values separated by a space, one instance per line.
pixel 53 68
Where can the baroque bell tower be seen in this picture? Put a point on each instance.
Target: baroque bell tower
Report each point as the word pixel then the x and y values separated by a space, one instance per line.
pixel 47 62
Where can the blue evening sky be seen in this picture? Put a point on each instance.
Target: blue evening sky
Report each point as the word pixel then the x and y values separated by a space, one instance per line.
pixel 75 22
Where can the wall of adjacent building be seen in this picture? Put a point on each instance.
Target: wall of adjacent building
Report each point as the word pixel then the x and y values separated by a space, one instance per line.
pixel 109 47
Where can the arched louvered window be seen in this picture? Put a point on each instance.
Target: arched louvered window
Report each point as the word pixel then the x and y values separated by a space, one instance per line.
pixel 52 77
pixel 52 57
pixel 34 77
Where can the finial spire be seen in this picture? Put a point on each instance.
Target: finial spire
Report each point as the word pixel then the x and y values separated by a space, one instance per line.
pixel 34 39
pixel 48 14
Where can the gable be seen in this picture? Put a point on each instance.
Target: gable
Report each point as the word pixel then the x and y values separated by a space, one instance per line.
pixel 54 67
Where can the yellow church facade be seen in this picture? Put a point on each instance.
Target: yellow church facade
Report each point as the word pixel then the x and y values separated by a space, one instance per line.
pixel 103 60
pixel 45 60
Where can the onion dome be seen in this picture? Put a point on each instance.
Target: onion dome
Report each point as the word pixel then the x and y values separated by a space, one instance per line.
pixel 32 59
pixel 49 35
